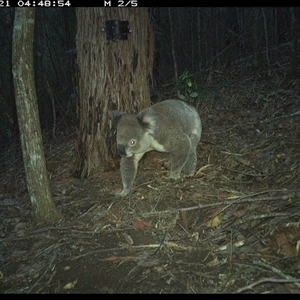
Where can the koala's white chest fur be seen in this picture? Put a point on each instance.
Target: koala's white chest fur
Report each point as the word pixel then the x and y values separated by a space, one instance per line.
pixel 155 145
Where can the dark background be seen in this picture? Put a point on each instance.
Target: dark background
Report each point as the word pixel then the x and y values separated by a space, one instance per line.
pixel 203 42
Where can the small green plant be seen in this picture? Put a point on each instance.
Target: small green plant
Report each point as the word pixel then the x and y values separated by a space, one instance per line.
pixel 186 87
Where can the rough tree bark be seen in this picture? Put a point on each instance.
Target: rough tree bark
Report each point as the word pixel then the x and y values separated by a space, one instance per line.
pixel 43 207
pixel 112 75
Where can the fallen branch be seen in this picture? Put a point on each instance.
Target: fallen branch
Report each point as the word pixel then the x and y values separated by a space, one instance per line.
pixel 264 280
pixel 278 272
pixel 169 245
pixel 248 198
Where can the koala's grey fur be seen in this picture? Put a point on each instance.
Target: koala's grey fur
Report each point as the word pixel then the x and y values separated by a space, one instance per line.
pixel 169 126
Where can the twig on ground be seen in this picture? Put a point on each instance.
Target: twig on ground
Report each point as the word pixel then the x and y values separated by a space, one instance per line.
pixel 264 280
pixel 278 272
pixel 248 198
pixel 43 275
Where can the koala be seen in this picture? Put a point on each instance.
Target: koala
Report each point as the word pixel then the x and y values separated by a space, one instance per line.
pixel 170 126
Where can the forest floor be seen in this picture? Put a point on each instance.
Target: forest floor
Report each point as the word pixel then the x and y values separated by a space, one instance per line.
pixel 233 228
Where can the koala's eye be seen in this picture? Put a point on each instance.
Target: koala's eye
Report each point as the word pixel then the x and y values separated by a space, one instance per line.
pixel 132 142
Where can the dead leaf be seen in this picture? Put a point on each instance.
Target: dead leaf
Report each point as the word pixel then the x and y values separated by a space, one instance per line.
pixel 70 285
pixel 139 225
pixel 215 221
pixel 215 262
pixel 284 246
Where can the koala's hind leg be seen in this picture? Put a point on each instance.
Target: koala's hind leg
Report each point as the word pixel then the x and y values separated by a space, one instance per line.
pixel 191 163
pixel 179 156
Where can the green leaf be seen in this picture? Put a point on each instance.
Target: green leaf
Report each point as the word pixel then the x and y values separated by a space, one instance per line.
pixel 194 94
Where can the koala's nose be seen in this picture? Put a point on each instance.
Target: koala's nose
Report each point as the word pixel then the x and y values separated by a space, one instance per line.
pixel 121 150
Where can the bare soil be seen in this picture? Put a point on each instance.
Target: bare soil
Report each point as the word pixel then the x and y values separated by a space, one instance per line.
pixel 233 228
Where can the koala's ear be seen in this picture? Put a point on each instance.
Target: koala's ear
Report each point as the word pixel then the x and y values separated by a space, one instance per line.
pixel 147 119
pixel 115 116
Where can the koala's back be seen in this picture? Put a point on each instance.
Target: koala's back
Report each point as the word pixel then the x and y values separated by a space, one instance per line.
pixel 176 116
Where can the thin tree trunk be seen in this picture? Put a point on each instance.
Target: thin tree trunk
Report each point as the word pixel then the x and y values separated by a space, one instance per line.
pixel 256 43
pixel 294 51
pixel 199 52
pixel 43 207
pixel 267 38
pixel 173 48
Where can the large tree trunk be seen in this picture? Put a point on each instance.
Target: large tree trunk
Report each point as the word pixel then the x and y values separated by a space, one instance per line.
pixel 43 207
pixel 112 75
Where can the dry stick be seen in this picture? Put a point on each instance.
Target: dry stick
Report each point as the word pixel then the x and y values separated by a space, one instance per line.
pixel 43 275
pixel 263 216
pixel 252 285
pixel 278 272
pixel 246 174
pixel 225 202
pixel 169 245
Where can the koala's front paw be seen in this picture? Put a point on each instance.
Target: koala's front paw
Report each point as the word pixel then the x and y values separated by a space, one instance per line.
pixel 174 176
pixel 189 175
pixel 122 194
pixel 166 165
